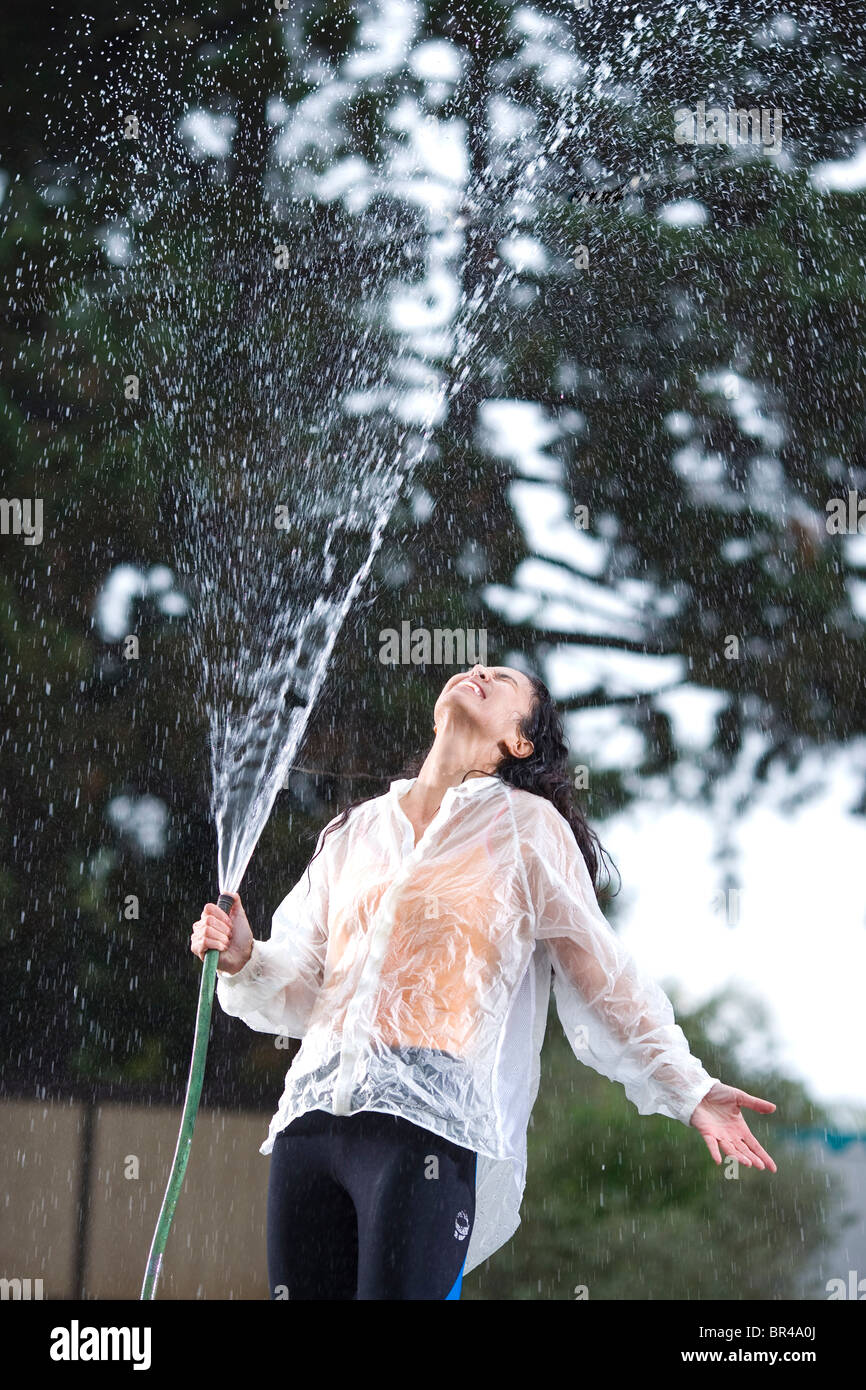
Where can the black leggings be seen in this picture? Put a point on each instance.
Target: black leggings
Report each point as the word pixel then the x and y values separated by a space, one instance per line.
pixel 367 1206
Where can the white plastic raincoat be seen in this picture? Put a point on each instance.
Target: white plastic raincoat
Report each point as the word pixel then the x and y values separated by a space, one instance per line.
pixel 418 977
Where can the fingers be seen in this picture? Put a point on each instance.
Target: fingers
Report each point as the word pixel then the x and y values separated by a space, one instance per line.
pixel 216 914
pixel 731 1151
pixel 757 1149
pixel 766 1107
pixel 209 935
pixel 733 1146
pixel 740 1153
pixel 745 1149
pixel 739 1142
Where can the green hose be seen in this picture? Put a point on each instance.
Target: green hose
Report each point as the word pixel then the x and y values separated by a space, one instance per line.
pixel 190 1110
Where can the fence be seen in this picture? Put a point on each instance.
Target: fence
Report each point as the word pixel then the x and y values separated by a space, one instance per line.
pixel 81 1189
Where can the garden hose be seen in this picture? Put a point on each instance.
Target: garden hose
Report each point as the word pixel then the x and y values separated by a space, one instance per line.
pixel 190 1110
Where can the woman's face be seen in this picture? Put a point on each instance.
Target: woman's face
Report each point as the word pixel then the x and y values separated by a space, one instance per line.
pixel 493 699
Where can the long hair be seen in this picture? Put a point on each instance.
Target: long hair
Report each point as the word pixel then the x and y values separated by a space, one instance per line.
pixel 544 773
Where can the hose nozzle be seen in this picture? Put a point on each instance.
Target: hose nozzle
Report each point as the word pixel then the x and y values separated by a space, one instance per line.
pixel 225 902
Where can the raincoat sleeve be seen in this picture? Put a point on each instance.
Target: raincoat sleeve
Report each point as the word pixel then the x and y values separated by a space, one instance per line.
pixel 274 992
pixel 617 1019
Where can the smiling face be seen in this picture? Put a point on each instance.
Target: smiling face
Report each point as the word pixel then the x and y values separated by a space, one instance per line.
pixel 491 700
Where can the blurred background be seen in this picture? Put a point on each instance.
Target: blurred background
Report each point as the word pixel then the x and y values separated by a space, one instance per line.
pixel 632 434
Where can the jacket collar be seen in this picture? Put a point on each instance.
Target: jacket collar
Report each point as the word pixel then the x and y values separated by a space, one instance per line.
pixel 464 789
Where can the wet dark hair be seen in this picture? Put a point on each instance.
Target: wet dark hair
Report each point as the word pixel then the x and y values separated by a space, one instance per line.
pixel 544 773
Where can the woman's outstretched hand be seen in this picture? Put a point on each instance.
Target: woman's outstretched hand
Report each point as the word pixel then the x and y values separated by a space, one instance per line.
pixel 230 935
pixel 719 1120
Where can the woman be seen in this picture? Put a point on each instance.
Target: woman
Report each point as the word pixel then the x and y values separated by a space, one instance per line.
pixel 414 958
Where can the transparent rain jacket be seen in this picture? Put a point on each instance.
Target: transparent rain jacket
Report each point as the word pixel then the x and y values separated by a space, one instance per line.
pixel 418 978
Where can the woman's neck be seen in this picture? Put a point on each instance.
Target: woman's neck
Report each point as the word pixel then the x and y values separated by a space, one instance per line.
pixel 449 762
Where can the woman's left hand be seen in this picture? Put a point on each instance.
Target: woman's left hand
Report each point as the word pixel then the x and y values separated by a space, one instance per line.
pixel 719 1120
